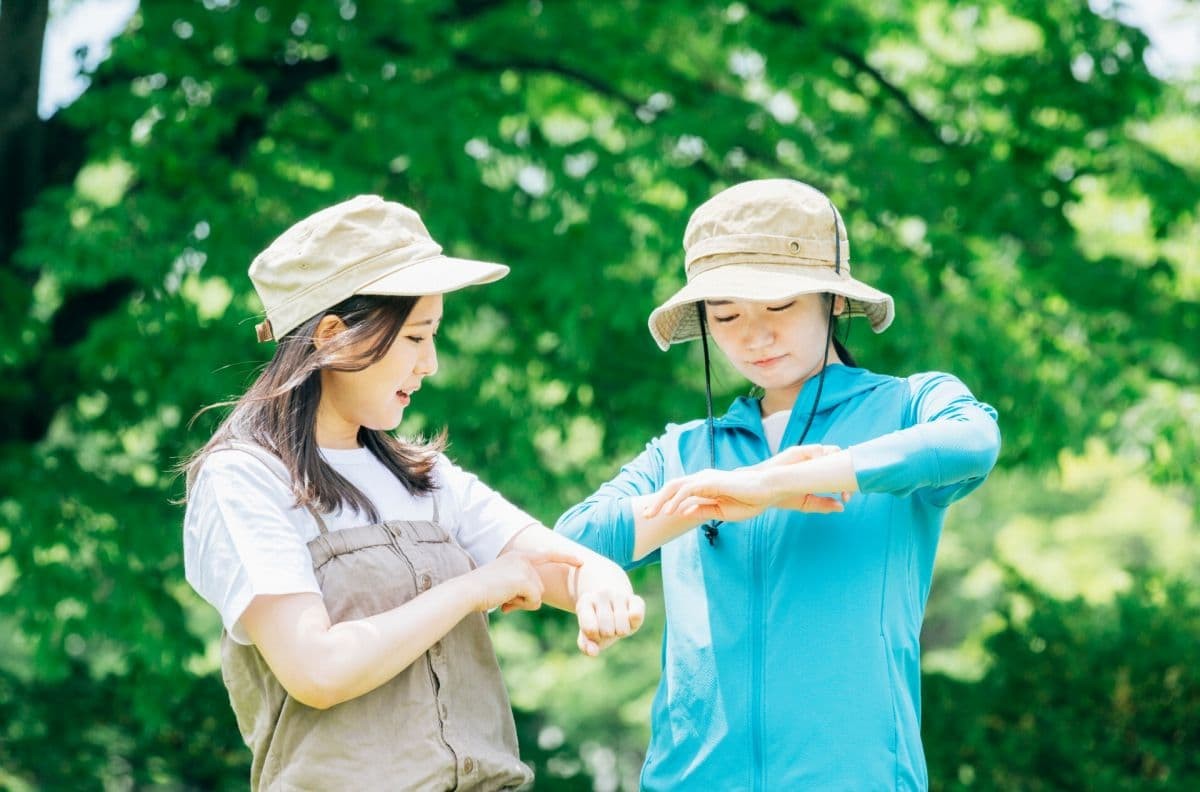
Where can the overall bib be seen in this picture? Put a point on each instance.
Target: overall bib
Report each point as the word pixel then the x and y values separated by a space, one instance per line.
pixel 443 723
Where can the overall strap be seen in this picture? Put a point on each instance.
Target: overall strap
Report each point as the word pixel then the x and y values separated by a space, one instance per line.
pixel 317 516
pixel 270 460
pixel 433 497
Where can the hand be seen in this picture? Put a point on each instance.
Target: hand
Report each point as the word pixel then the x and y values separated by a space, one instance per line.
pixel 606 616
pixel 511 582
pixel 735 495
pixel 790 456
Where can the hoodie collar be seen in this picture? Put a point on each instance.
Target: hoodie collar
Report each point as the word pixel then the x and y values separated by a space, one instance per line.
pixel 842 383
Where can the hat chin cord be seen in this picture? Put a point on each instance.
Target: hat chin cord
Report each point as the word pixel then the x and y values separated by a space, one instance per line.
pixel 712 528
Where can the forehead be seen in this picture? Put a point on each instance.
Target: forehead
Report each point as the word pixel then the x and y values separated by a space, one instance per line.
pixel 802 303
pixel 428 310
pixel 717 303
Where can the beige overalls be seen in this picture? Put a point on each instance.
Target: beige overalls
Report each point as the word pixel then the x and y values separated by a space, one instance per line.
pixel 443 723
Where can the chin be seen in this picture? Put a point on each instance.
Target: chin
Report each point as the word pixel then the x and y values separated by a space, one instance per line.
pixel 385 424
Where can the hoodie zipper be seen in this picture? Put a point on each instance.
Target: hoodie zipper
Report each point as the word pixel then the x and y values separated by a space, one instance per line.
pixel 757 660
pixel 758 629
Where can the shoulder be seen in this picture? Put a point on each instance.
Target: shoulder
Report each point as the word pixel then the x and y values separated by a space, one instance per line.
pixel 676 436
pixel 936 385
pixel 677 430
pixel 447 473
pixel 924 380
pixel 938 394
pixel 242 464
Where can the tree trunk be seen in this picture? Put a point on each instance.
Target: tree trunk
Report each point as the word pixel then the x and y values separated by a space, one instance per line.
pixel 22 30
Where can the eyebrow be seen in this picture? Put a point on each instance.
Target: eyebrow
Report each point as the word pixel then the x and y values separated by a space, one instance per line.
pixel 423 322
pixel 718 302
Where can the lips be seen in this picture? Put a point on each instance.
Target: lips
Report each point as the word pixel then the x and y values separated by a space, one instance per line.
pixel 405 396
pixel 766 362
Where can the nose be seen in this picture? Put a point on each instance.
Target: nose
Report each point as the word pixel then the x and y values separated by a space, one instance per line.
pixel 758 335
pixel 427 363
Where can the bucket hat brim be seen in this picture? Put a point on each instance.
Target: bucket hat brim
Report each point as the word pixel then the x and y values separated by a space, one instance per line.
pixel 678 319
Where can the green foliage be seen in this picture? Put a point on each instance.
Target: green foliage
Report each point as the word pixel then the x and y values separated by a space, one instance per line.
pixel 1079 697
pixel 1012 174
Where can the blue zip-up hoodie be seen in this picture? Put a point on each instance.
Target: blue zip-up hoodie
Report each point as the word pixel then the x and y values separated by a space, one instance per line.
pixel 791 651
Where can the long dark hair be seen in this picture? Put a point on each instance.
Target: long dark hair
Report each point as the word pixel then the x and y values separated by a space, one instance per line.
pixel 841 325
pixel 279 411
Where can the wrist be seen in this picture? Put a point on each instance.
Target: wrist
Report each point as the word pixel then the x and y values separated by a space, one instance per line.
pixel 472 593
pixel 783 483
pixel 598 574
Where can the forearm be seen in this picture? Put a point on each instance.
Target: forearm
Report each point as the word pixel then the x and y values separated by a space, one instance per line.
pixel 832 473
pixel 322 664
pixel 605 522
pixel 651 533
pixel 930 455
pixel 363 654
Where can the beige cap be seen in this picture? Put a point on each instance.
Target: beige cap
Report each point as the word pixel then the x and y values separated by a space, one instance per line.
pixel 365 245
pixel 765 240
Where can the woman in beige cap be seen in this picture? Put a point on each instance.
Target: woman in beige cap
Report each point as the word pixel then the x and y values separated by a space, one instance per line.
pixel 352 569
pixel 790 658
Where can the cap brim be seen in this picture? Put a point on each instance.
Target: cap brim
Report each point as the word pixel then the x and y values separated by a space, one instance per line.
pixel 676 319
pixel 436 275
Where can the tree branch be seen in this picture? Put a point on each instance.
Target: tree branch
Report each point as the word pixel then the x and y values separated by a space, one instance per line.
pixel 520 63
pixel 787 16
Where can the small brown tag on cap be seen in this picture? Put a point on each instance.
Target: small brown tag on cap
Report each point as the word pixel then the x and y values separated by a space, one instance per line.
pixel 263 329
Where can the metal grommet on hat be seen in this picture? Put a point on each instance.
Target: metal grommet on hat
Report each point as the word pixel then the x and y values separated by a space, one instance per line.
pixel 765 240
pixel 365 245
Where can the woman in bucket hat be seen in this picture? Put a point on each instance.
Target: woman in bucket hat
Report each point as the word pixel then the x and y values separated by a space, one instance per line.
pixel 352 569
pixel 790 657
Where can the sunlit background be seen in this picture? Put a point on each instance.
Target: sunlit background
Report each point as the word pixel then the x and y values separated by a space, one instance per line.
pixel 1024 177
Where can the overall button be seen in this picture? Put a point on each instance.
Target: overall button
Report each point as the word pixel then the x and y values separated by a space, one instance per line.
pixel 468 765
pixel 426 582
pixel 436 649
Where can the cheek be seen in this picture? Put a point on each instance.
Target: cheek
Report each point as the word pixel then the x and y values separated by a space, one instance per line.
pixel 725 339
pixel 399 363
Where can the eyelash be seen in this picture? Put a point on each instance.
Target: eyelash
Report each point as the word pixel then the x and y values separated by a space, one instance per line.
pixel 419 339
pixel 724 319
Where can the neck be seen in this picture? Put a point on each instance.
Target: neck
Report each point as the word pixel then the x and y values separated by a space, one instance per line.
pixel 333 431
pixel 779 399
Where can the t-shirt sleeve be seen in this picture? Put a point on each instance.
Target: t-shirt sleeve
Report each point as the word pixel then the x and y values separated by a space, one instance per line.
pixel 242 537
pixel 478 517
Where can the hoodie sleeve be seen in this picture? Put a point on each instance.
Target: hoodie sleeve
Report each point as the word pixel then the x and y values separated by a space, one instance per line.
pixel 948 447
pixel 604 522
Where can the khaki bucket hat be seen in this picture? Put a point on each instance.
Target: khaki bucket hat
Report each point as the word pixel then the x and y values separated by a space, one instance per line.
pixel 765 240
pixel 365 245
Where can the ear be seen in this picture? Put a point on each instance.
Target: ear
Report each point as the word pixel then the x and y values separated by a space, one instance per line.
pixel 839 305
pixel 327 328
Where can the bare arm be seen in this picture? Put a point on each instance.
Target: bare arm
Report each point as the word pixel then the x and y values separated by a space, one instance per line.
pixel 322 664
pixel 598 591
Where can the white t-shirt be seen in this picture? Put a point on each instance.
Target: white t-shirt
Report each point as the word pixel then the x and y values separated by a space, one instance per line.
pixel 243 536
pixel 774 425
